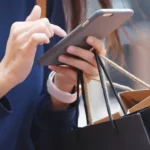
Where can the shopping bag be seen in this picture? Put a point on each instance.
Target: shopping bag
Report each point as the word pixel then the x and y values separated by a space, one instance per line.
pixel 133 100
pixel 130 132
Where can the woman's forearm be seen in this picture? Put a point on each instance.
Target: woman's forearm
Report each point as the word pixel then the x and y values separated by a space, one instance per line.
pixel 5 86
pixel 6 82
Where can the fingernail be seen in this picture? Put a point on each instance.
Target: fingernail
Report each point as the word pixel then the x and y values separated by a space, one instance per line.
pixel 48 41
pixel 70 49
pixel 62 58
pixel 90 39
pixel 63 33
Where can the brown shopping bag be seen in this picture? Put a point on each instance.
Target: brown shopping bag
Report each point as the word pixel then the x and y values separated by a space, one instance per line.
pixel 133 100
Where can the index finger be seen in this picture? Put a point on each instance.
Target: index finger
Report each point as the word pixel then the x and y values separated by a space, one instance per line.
pixel 58 31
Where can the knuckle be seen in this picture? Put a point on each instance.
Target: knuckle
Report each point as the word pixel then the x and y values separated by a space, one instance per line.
pixel 47 23
pixel 14 25
pixel 42 26
pixel 17 41
pixel 93 71
pixel 22 52
pixel 33 38
pixel 52 33
pixel 86 67
pixel 96 72
pixel 14 32
pixel 92 56
pixel 21 49
pixel 45 20
pixel 95 63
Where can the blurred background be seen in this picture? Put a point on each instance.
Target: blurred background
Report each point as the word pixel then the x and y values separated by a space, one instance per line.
pixel 136 52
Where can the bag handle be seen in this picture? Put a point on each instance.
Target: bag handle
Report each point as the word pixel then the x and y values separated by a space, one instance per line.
pixel 104 90
pixel 122 70
pixel 80 80
pixel 116 85
pixel 101 69
pixel 125 72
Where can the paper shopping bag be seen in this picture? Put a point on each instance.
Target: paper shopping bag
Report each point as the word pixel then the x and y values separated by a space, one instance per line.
pixel 133 101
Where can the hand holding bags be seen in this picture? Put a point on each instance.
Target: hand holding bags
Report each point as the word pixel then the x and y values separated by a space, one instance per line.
pixel 130 132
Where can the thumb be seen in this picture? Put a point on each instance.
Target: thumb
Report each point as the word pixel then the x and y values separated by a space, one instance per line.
pixel 35 14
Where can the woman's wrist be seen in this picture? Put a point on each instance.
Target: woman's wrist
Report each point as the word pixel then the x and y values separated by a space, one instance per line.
pixel 61 96
pixel 5 84
pixel 62 86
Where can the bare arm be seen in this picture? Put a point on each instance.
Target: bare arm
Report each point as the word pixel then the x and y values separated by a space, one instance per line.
pixel 6 81
pixel 5 85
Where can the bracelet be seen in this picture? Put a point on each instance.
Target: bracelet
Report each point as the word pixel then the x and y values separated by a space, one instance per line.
pixel 60 95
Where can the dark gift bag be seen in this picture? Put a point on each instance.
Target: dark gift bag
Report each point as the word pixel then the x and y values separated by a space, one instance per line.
pixel 130 132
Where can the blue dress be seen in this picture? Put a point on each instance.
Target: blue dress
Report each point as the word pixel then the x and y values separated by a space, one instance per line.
pixel 26 119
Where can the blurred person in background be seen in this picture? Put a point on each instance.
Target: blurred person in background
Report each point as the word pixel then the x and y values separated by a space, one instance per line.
pixel 29 113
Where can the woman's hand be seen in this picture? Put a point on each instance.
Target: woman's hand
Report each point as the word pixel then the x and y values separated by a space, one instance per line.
pixel 66 76
pixel 22 43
